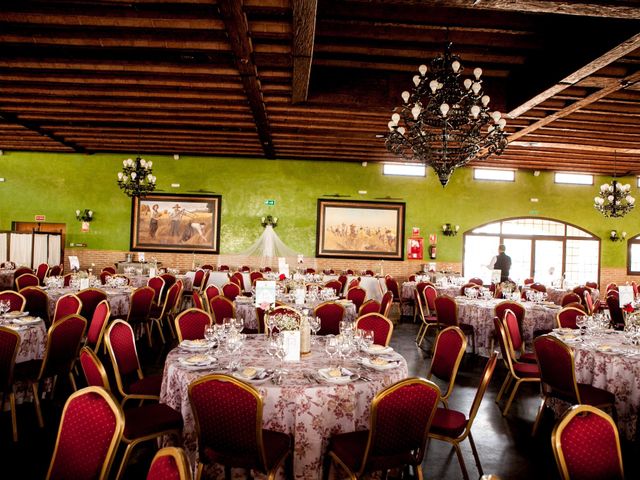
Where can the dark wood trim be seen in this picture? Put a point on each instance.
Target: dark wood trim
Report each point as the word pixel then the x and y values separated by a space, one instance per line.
pixel 304 27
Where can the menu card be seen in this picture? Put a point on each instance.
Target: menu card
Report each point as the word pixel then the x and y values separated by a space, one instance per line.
pixel 84 283
pixel 291 341
pixel 626 295
pixel 74 263
pixel 300 294
pixel 265 292
pixel 496 275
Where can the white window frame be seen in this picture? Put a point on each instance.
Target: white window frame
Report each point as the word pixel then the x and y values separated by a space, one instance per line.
pixel 404 170
pixel 572 178
pixel 494 174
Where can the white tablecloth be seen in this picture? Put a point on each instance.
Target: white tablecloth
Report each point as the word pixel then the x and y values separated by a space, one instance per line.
pixel 309 411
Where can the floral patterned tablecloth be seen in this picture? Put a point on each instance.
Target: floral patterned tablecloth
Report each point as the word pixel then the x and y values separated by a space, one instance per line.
pixel 118 298
pixel 479 313
pixel 309 411
pixel 245 309
pixel 607 362
pixel 407 295
pixel 6 279
pixel 138 281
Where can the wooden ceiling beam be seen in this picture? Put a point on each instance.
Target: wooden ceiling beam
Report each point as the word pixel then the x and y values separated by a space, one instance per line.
pixel 36 127
pixel 574 107
pixel 236 24
pixel 304 26
pixel 611 56
pixel 583 8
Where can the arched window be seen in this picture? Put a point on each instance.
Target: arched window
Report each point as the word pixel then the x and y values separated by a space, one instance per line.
pixel 633 256
pixel 539 248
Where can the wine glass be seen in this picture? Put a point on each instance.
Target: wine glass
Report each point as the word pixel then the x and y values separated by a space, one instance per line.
pixel 272 346
pixel 314 324
pixel 210 337
pixel 368 338
pixel 238 323
pixel 331 346
pixel 581 322
pixel 272 323
pixel 280 352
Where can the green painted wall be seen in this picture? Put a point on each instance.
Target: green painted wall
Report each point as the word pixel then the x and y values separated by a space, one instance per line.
pixel 57 184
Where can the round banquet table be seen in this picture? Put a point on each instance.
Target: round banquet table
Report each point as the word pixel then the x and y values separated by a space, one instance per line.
pixel 607 362
pixel 246 309
pixel 311 412
pixel 118 298
pixel 408 288
pixel 142 280
pixel 479 313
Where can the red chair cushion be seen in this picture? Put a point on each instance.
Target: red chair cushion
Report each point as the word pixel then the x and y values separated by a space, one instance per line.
pixel 150 419
pixel 528 357
pixel 526 370
pixel 164 468
pixel 349 448
pixel 449 423
pixel 146 386
pixel 276 445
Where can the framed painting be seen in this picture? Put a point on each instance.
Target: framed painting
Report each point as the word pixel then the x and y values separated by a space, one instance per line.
pixel 356 229
pixel 176 223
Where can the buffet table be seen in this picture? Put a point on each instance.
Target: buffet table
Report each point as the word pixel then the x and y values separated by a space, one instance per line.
pixel 310 410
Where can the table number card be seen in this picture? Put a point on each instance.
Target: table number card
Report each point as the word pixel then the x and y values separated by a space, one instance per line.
pixel 152 272
pixel 291 341
pixel 74 263
pixel 496 275
pixel 84 283
pixel 626 295
pixel 265 292
pixel 300 294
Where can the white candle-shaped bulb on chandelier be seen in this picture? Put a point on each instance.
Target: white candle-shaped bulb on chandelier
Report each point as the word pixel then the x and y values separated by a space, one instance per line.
pixel 475 88
pixel 395 118
pixel 405 96
pixel 475 111
pixel 401 130
pixel 415 111
pixel 485 100
pixel 455 66
pixel 467 83
pixel 502 123
pixel 444 108
pixel 433 85
pixel 133 175
pixel 77 213
pixel 477 72
pixel 496 116
pixel 422 69
pixel 416 80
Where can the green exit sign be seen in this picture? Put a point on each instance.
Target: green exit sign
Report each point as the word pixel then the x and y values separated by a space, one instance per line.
pixel 271 203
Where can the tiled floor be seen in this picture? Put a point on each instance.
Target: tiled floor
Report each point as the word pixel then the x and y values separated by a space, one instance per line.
pixel 505 445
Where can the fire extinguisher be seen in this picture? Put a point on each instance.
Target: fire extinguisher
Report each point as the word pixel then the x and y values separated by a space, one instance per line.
pixel 432 252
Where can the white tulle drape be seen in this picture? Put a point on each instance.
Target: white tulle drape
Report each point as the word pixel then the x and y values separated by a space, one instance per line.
pixel 20 248
pixel 269 246
pixel 3 247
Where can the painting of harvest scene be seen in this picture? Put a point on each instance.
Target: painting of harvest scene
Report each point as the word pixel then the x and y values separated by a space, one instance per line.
pixel 351 229
pixel 176 223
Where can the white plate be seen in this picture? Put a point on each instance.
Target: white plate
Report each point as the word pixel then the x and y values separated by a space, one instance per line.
pixel 258 377
pixel 341 380
pixel 26 320
pixel 197 361
pixel 387 366
pixel 15 314
pixel 195 345
pixel 378 350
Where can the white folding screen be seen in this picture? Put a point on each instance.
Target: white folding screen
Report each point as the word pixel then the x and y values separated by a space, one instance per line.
pixel 3 247
pixel 20 248
pixel 54 250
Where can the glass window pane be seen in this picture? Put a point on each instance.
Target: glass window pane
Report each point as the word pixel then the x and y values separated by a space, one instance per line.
pixel 548 258
pixel 490 228
pixel 409 169
pixel 520 252
pixel 576 232
pixel 478 252
pixel 494 174
pixel 533 226
pixel 634 253
pixel 574 178
pixel 582 261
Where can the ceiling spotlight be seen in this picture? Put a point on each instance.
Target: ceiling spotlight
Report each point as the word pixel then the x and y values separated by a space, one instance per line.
pixel 176 156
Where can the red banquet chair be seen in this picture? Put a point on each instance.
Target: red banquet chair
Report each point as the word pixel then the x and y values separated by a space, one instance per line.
pixel 231 434
pixel 310 270
pixel 355 282
pixel 104 275
pixel 330 315
pixel 255 276
pixel 143 423
pixel 427 319
pixel 517 308
pixel 15 299
pixel 570 298
pixel 521 372
pixel 336 285
pixel 140 305
pixel 131 382
pixel 558 378
pixel 617 318
pixel 221 307
pixel 90 298
pixel 27 280
pixel 210 292
pixel 90 430
pixel 516 343
pixel 477 281
pixel 63 342
pixel 157 283
pixel 36 303
pixel 238 278
pixel 231 290
pixel 448 351
pixel 223 268
pixel 66 305
pixel 191 324
pixel 538 287
pixel 166 313
pixel 110 270
pixel 41 272
pixel 447 314
pixel 453 427
pixel 245 268
pixel 566 318
pixel 586 445
pixel 400 419
pixel 169 463
pixel 386 303
pixel 66 279
pixel 98 324
pixel 342 278
pixel 9 347
pixel 380 325
pixel 56 270
pixel 169 281
pixel 370 306
pixel 200 279
pixel 357 295
pixel 18 273
pixel 197 300
pixel 468 285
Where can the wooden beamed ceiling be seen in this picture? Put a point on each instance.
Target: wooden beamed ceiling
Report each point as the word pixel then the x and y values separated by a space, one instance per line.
pixel 314 79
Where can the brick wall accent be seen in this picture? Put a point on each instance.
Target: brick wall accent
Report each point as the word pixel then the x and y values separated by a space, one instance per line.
pixel 185 261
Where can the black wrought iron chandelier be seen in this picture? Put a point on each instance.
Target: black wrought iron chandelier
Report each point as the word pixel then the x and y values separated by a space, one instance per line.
pixel 136 178
pixel 613 199
pixel 444 123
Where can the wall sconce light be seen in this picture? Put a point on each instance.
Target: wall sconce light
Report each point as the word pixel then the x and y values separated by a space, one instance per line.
pixel 614 236
pixel 450 230
pixel 84 216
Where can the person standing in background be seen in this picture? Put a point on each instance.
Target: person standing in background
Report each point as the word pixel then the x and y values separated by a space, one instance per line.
pixel 501 262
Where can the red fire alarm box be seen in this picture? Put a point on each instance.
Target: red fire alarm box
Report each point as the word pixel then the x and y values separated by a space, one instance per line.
pixel 415 248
